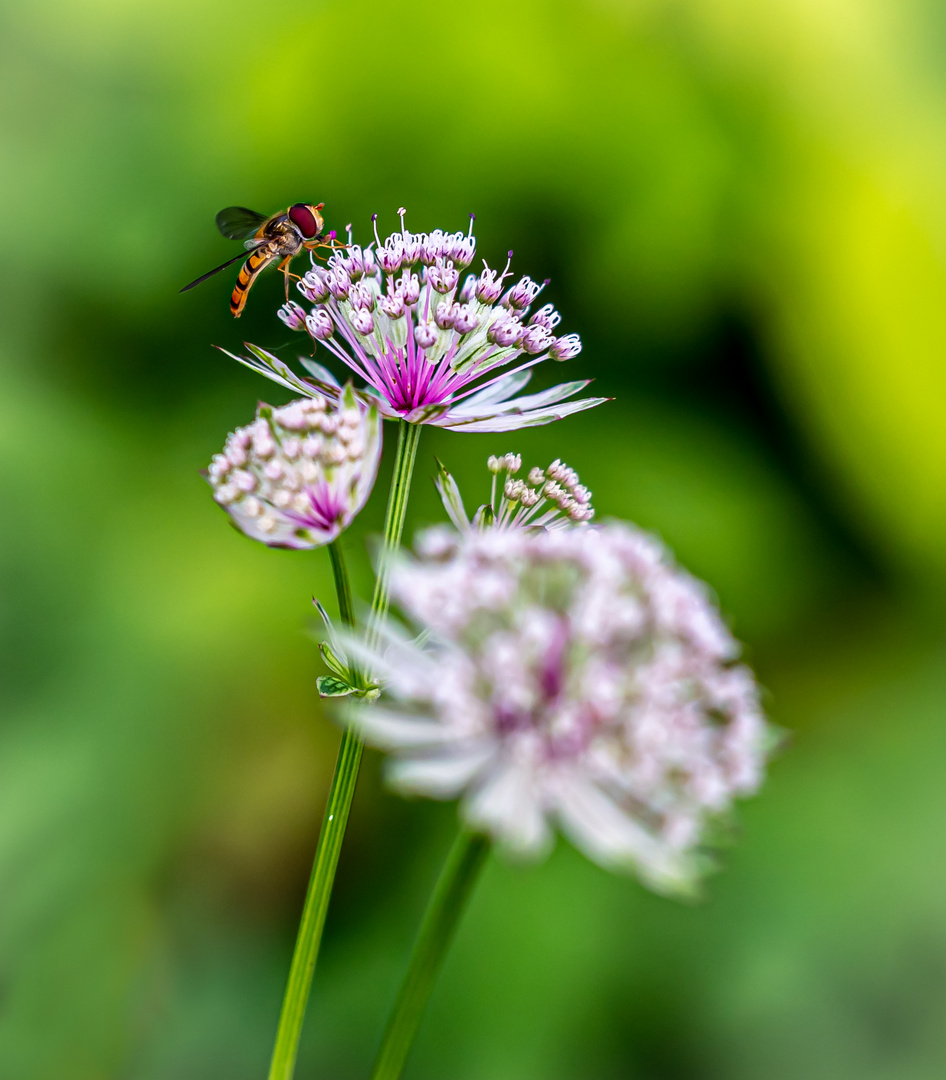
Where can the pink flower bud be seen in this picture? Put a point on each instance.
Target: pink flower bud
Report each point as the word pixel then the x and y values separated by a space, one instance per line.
pixel 293 315
pixel 319 324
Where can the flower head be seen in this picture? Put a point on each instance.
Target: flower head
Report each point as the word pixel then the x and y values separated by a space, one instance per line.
pixel 297 476
pixel 574 676
pixel 433 349
pixel 553 498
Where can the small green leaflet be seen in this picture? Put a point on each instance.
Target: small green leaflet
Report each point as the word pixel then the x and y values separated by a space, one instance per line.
pixel 329 686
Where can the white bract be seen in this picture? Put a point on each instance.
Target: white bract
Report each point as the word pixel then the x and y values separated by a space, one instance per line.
pixel 576 677
pixel 297 476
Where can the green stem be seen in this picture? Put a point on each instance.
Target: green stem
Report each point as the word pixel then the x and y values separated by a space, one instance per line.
pixel 342 791
pixel 449 898
pixel 407 438
pixel 346 609
pixel 315 908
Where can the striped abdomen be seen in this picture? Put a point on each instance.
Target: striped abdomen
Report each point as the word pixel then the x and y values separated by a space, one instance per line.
pixel 258 260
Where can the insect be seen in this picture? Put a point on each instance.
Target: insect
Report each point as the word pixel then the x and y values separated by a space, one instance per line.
pixel 281 236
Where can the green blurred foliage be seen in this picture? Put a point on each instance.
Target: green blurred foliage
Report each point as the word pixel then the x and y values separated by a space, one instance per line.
pixel 741 209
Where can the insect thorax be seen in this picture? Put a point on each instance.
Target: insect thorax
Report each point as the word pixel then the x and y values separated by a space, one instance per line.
pixel 285 237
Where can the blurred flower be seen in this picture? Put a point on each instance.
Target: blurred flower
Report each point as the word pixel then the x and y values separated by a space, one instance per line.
pixel 433 350
pixel 575 676
pixel 298 475
pixel 553 499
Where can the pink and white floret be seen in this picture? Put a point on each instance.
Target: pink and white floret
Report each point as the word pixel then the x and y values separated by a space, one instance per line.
pixel 430 348
pixel 574 677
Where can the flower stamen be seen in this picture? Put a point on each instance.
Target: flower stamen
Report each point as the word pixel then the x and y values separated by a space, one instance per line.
pixel 436 353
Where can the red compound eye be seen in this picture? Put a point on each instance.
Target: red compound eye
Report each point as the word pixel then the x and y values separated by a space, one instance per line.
pixel 304 220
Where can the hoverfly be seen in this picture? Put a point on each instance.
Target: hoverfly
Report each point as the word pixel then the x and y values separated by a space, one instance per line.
pixel 281 236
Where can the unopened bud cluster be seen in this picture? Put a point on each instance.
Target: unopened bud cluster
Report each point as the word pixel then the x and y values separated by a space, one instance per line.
pixel 556 490
pixel 420 273
pixel 298 474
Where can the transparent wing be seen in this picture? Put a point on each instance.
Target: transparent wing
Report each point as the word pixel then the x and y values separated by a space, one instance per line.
pixel 237 223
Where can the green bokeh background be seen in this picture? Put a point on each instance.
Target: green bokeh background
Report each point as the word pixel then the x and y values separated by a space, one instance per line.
pixel 742 208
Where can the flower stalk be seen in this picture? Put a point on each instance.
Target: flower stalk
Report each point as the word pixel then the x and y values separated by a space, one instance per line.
pixel 342 791
pixel 314 911
pixel 408 435
pixel 346 608
pixel 449 899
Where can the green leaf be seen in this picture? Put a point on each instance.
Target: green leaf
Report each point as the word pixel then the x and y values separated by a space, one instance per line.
pixel 329 686
pixel 332 661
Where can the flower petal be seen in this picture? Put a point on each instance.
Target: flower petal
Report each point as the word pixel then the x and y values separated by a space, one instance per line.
pixel 443 776
pixel 388 729
pixel 284 373
pixel 508 806
pixel 320 373
pixel 544 397
pixel 451 498
pixel 597 825
pixel 512 421
pixel 396 659
pixel 500 390
pixel 267 370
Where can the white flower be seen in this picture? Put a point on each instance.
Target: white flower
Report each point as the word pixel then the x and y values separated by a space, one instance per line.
pixel 574 677
pixel 298 475
pixel 432 350
pixel 553 499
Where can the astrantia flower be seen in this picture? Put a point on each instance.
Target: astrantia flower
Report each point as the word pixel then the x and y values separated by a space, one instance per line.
pixel 549 499
pixel 433 349
pixel 298 475
pixel 574 676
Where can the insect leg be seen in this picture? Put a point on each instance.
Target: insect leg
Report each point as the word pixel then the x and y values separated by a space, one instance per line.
pixel 331 242
pixel 284 266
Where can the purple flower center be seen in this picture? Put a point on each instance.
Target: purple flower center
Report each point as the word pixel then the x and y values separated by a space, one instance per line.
pixel 327 508
pixel 551 680
pixel 552 675
pixel 405 375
